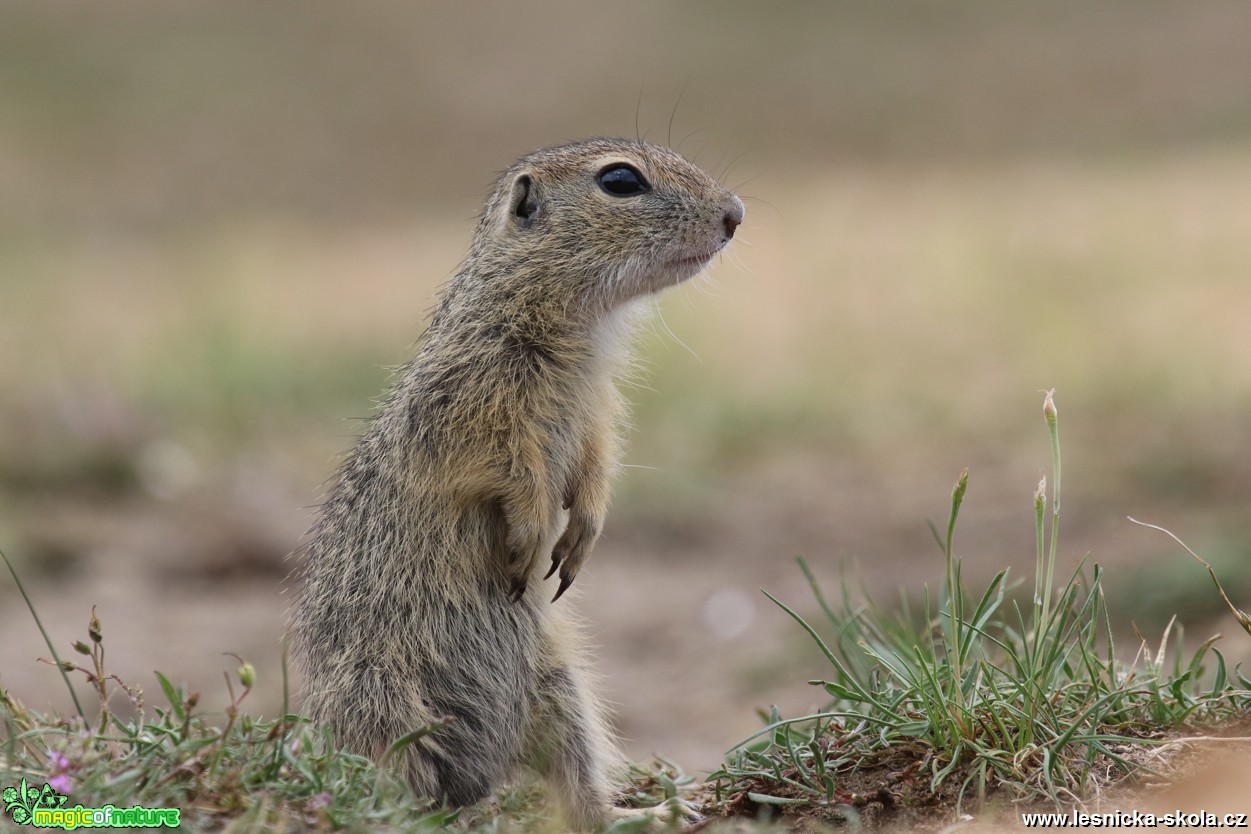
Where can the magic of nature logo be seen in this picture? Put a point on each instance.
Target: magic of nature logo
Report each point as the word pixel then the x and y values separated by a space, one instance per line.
pixel 46 808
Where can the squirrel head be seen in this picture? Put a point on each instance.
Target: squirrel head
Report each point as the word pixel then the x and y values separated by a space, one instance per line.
pixel 604 221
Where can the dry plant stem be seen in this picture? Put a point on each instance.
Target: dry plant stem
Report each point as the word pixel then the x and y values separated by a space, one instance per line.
pixel 1243 618
pixel 97 659
pixel 1196 740
pixel 35 616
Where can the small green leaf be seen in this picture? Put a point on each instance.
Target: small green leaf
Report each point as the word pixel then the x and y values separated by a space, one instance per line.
pixel 171 695
pixel 402 743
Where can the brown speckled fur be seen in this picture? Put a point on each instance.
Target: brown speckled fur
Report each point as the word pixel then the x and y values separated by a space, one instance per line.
pixel 488 463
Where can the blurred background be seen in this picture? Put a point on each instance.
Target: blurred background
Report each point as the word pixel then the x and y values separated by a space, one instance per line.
pixel 221 224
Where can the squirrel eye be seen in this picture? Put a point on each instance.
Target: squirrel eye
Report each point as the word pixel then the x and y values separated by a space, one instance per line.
pixel 622 181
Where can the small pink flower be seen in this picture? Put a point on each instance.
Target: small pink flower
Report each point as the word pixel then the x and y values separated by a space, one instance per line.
pixel 319 801
pixel 58 777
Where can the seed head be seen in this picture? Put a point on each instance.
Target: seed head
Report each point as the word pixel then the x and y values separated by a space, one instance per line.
pixel 247 675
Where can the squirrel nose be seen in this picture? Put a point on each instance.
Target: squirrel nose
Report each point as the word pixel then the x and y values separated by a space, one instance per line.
pixel 733 217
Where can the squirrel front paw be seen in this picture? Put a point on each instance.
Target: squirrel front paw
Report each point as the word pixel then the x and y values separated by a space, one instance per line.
pixel 572 550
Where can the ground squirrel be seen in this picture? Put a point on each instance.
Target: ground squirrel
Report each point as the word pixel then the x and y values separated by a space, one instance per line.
pixel 488 465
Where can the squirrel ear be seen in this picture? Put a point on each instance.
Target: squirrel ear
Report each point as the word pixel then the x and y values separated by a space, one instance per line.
pixel 523 202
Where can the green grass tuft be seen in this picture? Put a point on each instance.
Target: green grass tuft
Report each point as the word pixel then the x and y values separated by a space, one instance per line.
pixel 978 700
pixel 234 772
pixel 271 775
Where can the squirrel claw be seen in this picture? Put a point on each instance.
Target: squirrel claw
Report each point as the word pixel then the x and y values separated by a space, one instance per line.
pixel 555 564
pixel 518 591
pixel 565 582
